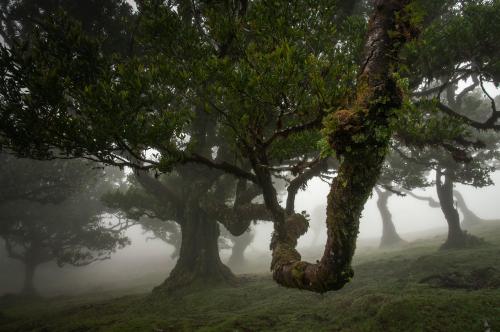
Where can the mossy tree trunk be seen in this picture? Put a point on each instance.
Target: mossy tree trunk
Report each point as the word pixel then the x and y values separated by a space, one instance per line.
pixel 456 236
pixel 390 236
pixel 360 137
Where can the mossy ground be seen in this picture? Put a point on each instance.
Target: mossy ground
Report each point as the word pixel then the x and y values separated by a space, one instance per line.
pixel 386 295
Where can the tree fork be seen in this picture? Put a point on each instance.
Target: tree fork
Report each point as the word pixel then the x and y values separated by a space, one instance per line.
pixel 354 134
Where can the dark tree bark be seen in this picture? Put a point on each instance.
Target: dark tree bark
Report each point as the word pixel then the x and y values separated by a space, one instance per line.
pixel 198 257
pixel 199 262
pixel 377 95
pixel 199 210
pixel 390 237
pixel 456 236
pixel 470 218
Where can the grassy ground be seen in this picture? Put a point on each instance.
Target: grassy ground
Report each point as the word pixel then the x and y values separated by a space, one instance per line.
pixel 415 288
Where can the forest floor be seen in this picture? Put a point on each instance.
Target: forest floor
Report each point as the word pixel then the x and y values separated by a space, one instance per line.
pixel 413 288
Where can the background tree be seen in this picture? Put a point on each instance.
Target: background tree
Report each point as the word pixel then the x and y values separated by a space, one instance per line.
pixel 399 176
pixel 118 91
pixel 240 243
pixel 112 153
pixel 451 126
pixel 51 211
pixel 470 219
pixel 390 236
pixel 130 201
pixel 263 86
pixel 447 172
pixel 164 202
pixel 468 159
pixel 109 19
pixel 199 258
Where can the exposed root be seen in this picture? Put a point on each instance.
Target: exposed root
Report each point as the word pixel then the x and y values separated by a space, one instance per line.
pixel 465 241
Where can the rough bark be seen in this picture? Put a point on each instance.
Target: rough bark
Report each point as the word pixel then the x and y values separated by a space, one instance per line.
pixel 199 262
pixel 198 256
pixel 470 218
pixel 355 136
pixel 457 238
pixel 236 219
pixel 390 236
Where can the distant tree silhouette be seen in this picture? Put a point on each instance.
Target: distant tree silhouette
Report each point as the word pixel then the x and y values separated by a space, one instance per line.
pixel 50 211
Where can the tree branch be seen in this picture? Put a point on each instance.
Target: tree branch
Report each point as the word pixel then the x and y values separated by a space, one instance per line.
pixel 237 219
pixel 300 181
pixel 223 166
pixel 284 133
pixel 488 124
pixel 431 201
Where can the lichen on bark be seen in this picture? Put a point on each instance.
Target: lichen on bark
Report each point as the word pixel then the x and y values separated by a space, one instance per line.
pixel 359 134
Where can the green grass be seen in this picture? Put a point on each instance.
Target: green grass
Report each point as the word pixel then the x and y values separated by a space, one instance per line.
pixel 385 295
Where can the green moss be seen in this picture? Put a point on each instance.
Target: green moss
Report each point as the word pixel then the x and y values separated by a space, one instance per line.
pixel 284 254
pixel 298 271
pixel 385 295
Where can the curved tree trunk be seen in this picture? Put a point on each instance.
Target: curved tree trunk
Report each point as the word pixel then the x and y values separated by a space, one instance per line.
pixel 199 261
pixel 390 237
pixel 360 137
pixel 456 236
pixel 470 218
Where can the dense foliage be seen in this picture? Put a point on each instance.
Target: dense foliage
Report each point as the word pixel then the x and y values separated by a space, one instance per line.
pixel 226 97
pixel 51 211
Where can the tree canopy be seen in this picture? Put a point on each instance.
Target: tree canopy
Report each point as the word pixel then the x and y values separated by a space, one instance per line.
pixel 53 213
pixel 255 91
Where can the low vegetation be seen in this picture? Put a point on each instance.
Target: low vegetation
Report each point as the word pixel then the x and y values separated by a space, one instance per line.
pixel 413 288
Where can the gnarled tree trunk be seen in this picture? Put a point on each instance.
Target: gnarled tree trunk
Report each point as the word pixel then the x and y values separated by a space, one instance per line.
pixel 199 261
pixel 390 237
pixel 198 257
pixel 360 137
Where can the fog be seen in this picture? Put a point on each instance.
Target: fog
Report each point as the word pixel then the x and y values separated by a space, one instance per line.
pixel 249 165
pixel 146 262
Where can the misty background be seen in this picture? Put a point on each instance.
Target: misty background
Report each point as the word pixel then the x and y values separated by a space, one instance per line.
pixel 146 261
